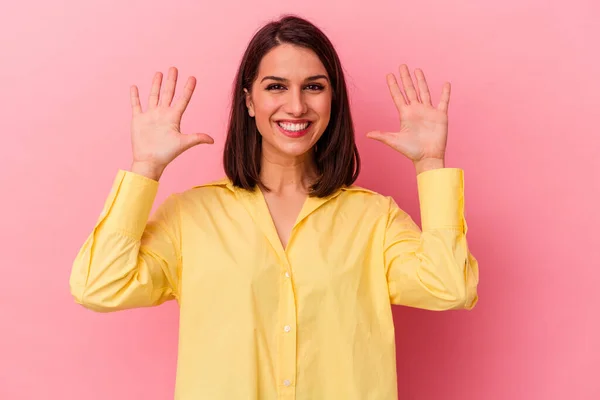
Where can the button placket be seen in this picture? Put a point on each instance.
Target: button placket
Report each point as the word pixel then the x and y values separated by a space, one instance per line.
pixel 287 336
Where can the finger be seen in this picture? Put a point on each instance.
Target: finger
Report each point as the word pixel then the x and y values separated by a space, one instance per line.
pixel 445 98
pixel 194 139
pixel 395 91
pixel 169 89
pixel 182 103
pixel 155 90
pixel 407 84
pixel 134 94
pixel 423 88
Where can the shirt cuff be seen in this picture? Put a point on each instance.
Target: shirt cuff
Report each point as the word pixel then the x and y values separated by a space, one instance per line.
pixel 441 198
pixel 129 204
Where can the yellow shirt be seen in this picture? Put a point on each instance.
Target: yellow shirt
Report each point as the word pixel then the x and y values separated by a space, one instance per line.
pixel 312 321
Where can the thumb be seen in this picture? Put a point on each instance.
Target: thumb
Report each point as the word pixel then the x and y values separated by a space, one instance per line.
pixel 384 137
pixel 194 139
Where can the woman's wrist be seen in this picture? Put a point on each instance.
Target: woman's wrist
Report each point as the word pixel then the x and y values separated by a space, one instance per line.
pixel 428 164
pixel 148 170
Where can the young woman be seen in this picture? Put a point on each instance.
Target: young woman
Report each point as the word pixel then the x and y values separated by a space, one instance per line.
pixel 284 271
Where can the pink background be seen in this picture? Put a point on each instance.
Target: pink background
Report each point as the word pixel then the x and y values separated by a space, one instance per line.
pixel 523 125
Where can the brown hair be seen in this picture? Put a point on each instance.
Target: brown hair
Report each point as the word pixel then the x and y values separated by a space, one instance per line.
pixel 336 154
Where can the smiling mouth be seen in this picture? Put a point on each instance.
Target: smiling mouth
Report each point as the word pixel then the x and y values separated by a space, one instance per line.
pixel 294 127
pixel 294 130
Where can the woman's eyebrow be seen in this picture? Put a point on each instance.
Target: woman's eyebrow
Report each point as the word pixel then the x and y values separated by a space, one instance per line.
pixel 280 79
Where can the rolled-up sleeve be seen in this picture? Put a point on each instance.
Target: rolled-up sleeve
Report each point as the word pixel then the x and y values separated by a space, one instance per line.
pixel 129 259
pixel 432 268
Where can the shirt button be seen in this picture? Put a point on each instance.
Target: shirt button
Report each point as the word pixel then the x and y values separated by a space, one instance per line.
pixel 287 382
pixel 287 328
pixel 287 274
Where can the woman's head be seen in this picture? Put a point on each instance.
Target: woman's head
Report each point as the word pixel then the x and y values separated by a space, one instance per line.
pixel 290 100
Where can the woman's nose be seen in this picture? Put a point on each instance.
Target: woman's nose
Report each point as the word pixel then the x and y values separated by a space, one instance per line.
pixel 296 104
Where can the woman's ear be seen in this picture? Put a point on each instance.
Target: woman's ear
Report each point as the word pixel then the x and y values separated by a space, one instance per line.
pixel 249 104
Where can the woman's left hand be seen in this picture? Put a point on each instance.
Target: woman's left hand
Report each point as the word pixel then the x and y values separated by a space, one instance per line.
pixel 423 128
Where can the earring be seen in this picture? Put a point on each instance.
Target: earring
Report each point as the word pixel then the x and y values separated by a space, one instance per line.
pixel 250 112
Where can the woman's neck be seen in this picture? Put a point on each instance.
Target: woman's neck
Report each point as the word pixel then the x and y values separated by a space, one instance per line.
pixel 287 175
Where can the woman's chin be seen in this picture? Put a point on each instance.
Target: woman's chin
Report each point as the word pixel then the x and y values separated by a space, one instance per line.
pixel 293 149
pixel 292 146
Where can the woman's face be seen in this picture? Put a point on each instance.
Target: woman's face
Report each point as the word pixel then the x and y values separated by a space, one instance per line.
pixel 290 101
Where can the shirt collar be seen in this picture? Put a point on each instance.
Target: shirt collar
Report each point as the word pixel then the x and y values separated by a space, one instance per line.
pixel 225 182
pixel 256 206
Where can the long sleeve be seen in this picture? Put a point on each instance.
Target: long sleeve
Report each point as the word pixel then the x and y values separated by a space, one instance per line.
pixel 432 269
pixel 129 259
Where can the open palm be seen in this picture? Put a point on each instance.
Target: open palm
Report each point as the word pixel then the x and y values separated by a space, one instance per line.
pixel 423 128
pixel 155 133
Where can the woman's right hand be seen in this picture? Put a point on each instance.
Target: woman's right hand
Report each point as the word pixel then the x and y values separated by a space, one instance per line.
pixel 155 135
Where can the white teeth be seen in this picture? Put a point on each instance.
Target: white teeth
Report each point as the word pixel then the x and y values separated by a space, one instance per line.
pixel 293 127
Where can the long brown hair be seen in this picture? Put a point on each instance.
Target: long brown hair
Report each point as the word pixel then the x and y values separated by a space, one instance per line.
pixel 336 154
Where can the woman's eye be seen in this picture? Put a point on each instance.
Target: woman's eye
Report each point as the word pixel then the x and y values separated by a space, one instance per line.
pixel 315 87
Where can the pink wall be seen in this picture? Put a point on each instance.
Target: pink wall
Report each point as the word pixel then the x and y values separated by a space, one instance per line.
pixel 523 124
